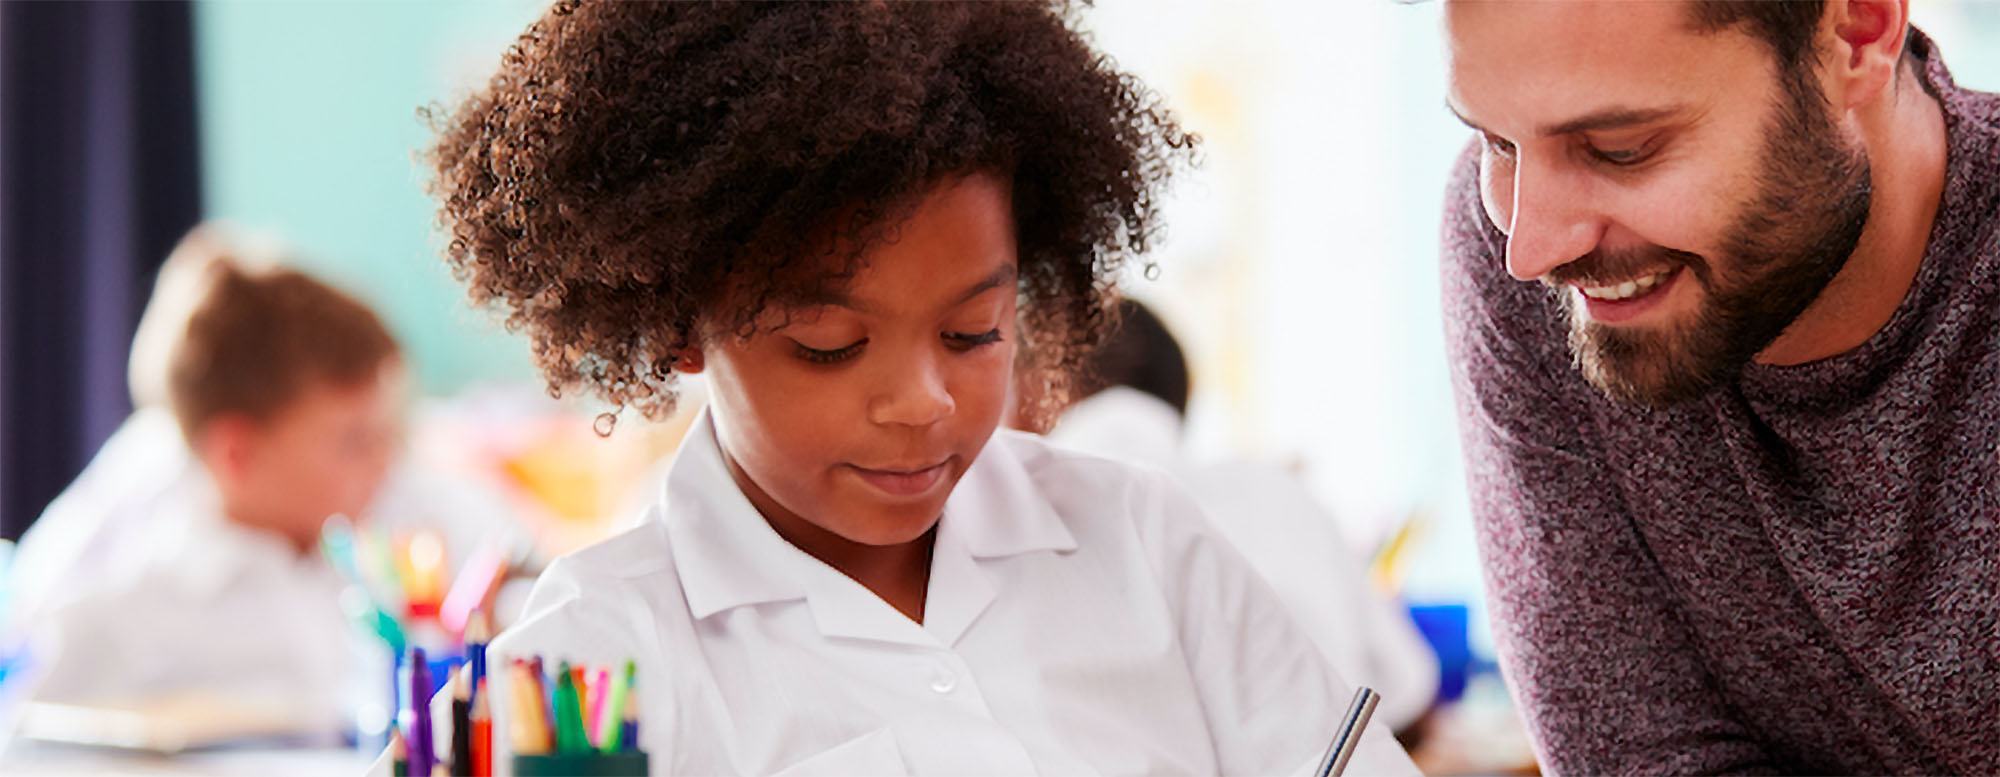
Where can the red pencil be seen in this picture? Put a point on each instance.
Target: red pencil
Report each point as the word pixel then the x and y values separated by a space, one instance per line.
pixel 482 734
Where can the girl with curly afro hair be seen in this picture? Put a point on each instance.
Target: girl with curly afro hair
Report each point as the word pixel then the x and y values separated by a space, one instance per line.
pixel 856 221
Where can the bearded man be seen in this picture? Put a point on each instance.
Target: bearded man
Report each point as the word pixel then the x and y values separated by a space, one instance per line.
pixel 1720 286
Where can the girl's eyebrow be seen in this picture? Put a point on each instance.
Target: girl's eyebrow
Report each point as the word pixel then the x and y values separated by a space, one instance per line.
pixel 1000 277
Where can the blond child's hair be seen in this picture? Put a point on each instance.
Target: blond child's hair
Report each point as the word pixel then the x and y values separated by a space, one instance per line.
pixel 231 330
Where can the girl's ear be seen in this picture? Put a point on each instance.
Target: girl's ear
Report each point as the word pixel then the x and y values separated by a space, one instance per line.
pixel 689 361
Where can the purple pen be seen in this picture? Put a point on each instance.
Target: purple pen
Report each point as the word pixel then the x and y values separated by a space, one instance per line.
pixel 422 752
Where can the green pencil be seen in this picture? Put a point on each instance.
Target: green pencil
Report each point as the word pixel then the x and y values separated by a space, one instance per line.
pixel 569 714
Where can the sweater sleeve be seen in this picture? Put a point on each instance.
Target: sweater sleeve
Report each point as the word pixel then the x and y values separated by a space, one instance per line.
pixel 1589 633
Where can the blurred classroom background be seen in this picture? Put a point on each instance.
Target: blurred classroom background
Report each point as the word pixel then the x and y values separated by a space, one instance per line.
pixel 1299 269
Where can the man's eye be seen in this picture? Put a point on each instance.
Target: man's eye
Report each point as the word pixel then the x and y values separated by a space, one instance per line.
pixel 1620 156
pixel 1499 145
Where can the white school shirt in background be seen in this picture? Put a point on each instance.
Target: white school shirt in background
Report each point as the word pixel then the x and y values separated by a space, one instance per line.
pixel 132 586
pixel 1287 536
pixel 185 603
pixel 1082 618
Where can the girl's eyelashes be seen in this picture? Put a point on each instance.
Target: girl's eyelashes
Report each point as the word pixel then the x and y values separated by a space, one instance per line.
pixel 958 341
pixel 822 356
pixel 967 342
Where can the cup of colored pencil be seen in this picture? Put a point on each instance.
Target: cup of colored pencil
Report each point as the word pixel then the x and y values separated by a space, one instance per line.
pixel 577 721
pixel 468 745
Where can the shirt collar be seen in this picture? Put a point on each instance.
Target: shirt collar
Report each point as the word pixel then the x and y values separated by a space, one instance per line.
pixel 998 510
pixel 728 556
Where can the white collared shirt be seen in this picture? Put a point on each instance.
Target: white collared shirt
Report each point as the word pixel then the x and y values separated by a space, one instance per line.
pixel 187 602
pixel 1081 619
pixel 132 586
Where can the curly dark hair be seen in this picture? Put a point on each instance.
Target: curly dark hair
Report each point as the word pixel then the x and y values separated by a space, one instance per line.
pixel 637 169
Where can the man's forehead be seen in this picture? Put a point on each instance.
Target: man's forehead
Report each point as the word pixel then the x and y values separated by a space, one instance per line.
pixel 1561 17
pixel 1553 66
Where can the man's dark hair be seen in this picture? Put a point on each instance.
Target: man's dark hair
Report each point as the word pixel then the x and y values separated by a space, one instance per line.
pixel 1786 26
pixel 1140 353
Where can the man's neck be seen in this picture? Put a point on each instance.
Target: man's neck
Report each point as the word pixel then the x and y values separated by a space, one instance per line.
pixel 1906 143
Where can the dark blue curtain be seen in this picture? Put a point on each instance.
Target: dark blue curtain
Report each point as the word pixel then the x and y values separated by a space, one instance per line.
pixel 98 180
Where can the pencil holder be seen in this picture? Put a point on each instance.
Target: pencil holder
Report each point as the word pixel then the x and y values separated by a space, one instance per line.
pixel 625 763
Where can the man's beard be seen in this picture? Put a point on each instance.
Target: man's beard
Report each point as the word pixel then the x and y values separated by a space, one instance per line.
pixel 1788 243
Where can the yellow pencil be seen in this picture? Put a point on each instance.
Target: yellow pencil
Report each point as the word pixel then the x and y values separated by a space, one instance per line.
pixel 528 727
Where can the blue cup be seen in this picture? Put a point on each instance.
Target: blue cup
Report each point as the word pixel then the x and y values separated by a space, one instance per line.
pixel 1445 627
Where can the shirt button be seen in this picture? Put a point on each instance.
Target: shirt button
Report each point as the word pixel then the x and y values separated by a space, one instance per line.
pixel 943 681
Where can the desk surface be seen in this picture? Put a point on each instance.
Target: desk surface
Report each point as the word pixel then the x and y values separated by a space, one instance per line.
pixel 32 757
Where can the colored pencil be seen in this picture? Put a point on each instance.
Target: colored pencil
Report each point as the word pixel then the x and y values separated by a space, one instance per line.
pixel 423 578
pixel 611 728
pixel 482 733
pixel 593 722
pixel 399 753
pixel 569 717
pixel 422 749
pixel 377 562
pixel 580 677
pixel 529 727
pixel 628 729
pixel 543 698
pixel 461 722
pixel 336 541
pixel 476 578
pixel 477 633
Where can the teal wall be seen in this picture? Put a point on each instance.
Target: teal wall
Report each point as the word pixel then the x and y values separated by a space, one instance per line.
pixel 309 127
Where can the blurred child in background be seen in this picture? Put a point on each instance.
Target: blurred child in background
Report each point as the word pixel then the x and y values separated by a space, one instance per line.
pixel 1134 401
pixel 184 562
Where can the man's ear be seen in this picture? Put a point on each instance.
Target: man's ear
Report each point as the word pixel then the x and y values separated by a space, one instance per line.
pixel 1867 38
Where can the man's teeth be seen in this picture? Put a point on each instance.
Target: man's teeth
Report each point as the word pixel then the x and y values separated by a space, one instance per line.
pixel 1627 290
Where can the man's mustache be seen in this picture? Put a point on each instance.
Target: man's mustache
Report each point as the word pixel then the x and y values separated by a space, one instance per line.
pixel 1602 268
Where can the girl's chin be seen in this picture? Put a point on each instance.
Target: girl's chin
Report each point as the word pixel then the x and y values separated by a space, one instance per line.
pixel 884 526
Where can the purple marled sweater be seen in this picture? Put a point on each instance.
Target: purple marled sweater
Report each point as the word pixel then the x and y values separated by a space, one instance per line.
pixel 1798 572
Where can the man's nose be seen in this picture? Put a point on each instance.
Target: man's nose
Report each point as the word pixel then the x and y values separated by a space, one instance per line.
pixel 1553 220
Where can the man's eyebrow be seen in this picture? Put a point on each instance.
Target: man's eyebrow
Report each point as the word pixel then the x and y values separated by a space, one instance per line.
pixel 1609 118
pixel 1612 118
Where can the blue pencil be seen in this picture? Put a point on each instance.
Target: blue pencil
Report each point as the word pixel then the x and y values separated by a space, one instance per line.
pixel 476 635
pixel 628 728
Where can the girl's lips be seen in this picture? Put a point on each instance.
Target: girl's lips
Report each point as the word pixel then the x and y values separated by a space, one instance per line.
pixel 903 482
